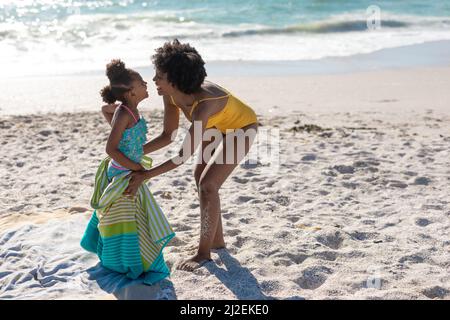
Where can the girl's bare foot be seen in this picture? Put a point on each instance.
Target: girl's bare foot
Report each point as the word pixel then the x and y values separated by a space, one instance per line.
pixel 194 263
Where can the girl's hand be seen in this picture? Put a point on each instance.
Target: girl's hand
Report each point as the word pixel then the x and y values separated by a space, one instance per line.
pixel 136 179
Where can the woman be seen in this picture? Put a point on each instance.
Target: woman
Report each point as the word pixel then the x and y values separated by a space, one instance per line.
pixel 213 111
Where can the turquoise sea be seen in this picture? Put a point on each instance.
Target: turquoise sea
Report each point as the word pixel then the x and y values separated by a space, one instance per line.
pixel 58 37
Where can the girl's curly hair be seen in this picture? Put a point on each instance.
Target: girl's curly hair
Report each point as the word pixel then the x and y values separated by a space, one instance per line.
pixel 120 79
pixel 183 65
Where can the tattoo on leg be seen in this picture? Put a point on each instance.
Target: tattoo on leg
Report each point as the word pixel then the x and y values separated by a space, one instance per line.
pixel 204 228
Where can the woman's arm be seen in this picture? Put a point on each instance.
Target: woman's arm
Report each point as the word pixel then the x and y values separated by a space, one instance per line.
pixel 171 121
pixel 118 127
pixel 108 111
pixel 190 143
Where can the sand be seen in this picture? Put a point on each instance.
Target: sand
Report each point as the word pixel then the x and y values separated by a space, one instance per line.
pixel 357 208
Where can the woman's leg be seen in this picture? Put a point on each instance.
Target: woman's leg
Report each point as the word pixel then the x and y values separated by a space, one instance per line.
pixel 231 154
pixel 202 162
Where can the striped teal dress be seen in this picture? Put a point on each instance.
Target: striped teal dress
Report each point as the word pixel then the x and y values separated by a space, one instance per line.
pixel 127 234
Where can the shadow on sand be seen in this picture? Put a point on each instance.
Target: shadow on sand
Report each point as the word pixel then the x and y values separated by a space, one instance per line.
pixel 124 288
pixel 238 279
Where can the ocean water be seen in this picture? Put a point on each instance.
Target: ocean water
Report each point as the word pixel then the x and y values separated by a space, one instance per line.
pixel 41 37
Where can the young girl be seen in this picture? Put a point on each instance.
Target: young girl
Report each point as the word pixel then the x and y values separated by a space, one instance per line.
pixel 127 233
pixel 180 80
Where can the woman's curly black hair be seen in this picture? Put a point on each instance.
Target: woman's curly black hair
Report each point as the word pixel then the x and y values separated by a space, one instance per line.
pixel 183 65
pixel 120 79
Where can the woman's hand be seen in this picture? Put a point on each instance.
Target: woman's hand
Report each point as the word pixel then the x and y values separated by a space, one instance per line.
pixel 138 167
pixel 110 108
pixel 136 179
pixel 108 111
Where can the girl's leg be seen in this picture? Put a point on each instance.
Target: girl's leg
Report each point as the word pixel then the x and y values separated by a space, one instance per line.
pixel 209 186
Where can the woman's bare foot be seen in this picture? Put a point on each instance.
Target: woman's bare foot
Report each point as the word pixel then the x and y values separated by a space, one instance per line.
pixel 215 246
pixel 218 246
pixel 193 263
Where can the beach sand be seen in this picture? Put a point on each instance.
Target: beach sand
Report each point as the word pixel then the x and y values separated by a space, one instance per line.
pixel 357 208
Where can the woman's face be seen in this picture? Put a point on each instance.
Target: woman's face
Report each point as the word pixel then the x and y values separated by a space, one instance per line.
pixel 139 88
pixel 163 86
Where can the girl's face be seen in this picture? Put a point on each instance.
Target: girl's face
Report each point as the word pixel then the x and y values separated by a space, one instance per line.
pixel 163 86
pixel 139 89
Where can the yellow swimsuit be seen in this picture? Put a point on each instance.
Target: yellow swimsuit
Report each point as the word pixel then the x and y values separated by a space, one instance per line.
pixel 234 115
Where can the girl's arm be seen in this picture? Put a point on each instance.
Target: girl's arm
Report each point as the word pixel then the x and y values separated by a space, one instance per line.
pixel 118 127
pixel 108 112
pixel 171 121
pixel 190 143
